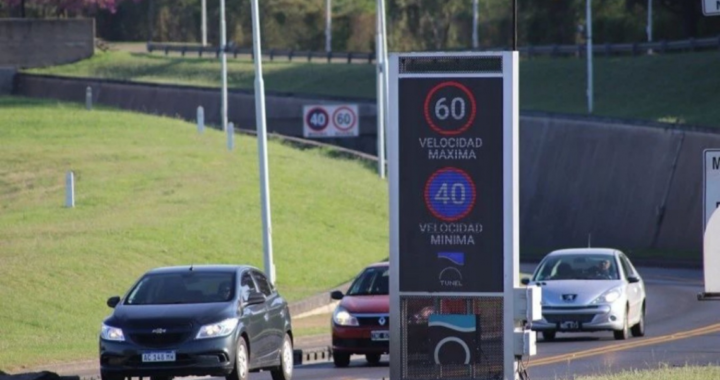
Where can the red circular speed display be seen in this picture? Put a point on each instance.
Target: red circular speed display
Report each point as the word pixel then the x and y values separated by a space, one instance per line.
pixel 450 108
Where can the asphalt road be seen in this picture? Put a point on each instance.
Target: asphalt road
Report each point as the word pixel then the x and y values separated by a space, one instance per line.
pixel 680 330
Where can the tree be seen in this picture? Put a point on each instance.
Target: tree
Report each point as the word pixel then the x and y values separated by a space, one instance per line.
pixel 62 7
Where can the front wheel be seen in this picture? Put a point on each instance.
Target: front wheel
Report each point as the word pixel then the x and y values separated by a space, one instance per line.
pixel 240 371
pixel 639 329
pixel 548 335
pixel 341 359
pixel 284 372
pixel 624 332
pixel 105 376
pixel 372 359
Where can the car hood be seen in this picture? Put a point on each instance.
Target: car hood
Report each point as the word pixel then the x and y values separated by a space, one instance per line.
pixel 585 291
pixel 170 316
pixel 366 304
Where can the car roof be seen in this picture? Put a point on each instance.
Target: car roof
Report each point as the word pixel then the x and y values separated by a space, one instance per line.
pixel 379 264
pixel 584 251
pixel 200 268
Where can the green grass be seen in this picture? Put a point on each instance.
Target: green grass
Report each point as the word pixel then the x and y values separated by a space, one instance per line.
pixel 151 191
pixel 665 372
pixel 670 88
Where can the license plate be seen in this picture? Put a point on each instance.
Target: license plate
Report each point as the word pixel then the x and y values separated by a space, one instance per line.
pixel 380 335
pixel 162 356
pixel 570 325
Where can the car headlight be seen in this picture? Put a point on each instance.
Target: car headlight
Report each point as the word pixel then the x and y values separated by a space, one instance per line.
pixel 219 329
pixel 608 297
pixel 341 317
pixel 112 333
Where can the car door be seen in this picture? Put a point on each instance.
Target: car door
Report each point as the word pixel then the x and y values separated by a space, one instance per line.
pixel 253 317
pixel 275 317
pixel 634 290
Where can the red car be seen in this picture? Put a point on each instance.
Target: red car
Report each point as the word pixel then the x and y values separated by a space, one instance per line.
pixel 360 322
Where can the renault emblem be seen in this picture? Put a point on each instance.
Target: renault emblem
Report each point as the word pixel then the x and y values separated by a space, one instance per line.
pixel 382 321
pixel 159 331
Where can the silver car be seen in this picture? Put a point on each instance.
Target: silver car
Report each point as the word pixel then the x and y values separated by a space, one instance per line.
pixel 589 289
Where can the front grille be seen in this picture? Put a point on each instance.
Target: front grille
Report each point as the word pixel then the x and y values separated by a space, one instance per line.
pixel 373 321
pixel 559 318
pixel 158 340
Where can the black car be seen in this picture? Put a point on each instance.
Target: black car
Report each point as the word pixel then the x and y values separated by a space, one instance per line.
pixel 219 320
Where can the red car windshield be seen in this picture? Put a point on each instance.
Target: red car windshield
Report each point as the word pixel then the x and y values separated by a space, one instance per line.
pixel 372 281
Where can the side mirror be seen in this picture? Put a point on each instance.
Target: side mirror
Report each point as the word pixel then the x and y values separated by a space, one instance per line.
pixel 525 281
pixel 633 279
pixel 113 301
pixel 336 295
pixel 254 298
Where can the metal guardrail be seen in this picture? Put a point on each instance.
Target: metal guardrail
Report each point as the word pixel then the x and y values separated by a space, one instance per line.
pixel 368 57
pixel 607 49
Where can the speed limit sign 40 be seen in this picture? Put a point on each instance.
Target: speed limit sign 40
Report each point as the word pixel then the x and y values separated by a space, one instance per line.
pixel 324 121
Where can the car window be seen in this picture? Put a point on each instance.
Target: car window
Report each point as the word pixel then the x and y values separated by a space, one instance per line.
pixel 246 285
pixel 372 281
pixel 262 283
pixel 627 268
pixel 182 287
pixel 577 267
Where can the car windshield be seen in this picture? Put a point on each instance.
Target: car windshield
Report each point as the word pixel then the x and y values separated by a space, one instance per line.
pixel 372 281
pixel 577 267
pixel 183 288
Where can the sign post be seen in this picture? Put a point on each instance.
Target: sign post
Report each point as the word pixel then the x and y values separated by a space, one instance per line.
pixel 453 155
pixel 711 224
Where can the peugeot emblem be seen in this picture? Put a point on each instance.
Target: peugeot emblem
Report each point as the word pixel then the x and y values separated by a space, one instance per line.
pixel 159 331
pixel 381 321
pixel 569 297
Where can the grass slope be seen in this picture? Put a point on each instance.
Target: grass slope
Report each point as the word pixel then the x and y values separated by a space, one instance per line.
pixel 672 88
pixel 152 191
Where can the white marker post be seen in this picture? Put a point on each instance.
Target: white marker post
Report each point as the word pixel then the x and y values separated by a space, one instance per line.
pixel 88 98
pixel 230 136
pixel 711 224
pixel 262 147
pixel 200 119
pixel 70 189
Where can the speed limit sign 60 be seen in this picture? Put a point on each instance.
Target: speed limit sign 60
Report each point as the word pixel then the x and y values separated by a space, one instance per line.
pixel 450 108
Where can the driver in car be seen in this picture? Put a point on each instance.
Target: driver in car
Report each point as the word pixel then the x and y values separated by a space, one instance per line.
pixel 602 270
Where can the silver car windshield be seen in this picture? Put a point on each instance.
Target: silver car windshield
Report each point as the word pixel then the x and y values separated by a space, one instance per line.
pixel 577 267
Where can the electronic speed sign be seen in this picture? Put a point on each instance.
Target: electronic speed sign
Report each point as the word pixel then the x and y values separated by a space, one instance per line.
pixel 452 151
pixel 330 121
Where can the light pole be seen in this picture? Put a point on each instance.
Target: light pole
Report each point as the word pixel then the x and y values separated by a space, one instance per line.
pixel 475 41
pixel 649 21
pixel 262 147
pixel 204 23
pixel 588 15
pixel 223 60
pixel 328 26
pixel 380 84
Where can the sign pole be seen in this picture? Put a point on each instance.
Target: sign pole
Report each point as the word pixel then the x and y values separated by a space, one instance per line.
pixel 223 64
pixel 380 92
pixel 262 147
pixel 588 16
pixel 328 26
pixel 204 23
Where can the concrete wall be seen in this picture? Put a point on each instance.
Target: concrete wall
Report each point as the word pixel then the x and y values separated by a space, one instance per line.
pixel 629 186
pixel 35 43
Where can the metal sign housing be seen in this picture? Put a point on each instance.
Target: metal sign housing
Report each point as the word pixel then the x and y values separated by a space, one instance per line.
pixel 453 155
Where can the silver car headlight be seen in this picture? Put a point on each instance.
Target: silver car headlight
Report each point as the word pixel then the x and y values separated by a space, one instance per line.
pixel 609 296
pixel 111 333
pixel 219 329
pixel 342 317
